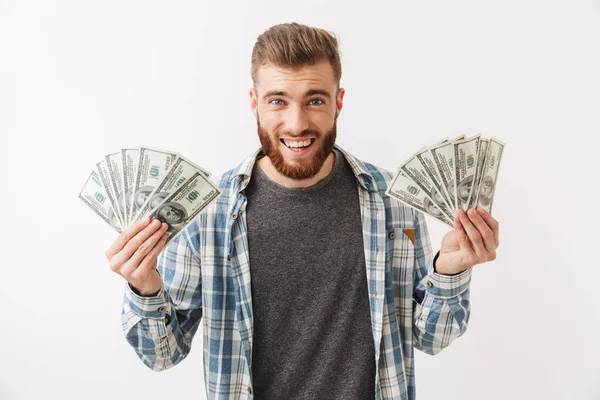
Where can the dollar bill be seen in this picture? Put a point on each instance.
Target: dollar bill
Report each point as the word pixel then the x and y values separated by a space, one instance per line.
pixel 489 175
pixel 104 175
pixel 129 158
pixel 418 173
pixel 407 191
pixel 153 166
pixel 426 159
pixel 95 197
pixel 181 207
pixel 443 156
pixel 114 162
pixel 483 146
pixel 465 164
pixel 179 173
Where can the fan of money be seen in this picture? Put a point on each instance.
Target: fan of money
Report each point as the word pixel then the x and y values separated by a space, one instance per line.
pixel 451 174
pixel 133 183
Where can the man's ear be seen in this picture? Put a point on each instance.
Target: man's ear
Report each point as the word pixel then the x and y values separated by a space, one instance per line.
pixel 339 101
pixel 253 101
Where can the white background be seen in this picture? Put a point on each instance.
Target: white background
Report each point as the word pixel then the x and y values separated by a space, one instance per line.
pixel 79 79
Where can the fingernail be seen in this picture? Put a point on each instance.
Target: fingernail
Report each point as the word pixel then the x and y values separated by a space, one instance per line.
pixel 146 219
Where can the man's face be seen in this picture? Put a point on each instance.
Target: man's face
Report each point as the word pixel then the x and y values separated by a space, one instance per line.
pixel 171 215
pixel 296 113
pixel 142 197
pixel 464 191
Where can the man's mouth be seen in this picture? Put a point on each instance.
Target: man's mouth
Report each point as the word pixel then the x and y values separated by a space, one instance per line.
pixel 298 145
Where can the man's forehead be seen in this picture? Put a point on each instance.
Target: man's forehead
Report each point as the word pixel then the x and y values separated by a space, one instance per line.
pixel 271 78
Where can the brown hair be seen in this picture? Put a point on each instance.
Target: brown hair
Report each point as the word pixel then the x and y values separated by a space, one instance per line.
pixel 294 45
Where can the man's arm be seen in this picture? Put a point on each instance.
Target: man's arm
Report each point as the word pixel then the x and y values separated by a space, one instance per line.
pixel 160 328
pixel 441 302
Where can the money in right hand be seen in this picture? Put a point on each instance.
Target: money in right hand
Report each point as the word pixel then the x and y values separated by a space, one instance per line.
pixel 134 254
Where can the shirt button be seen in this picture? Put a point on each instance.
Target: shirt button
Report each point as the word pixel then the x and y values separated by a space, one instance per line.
pixel 392 235
pixel 429 284
pixel 234 216
pixel 249 390
pixel 161 308
pixel 228 258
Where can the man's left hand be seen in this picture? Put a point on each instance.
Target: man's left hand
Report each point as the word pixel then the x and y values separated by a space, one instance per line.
pixel 474 240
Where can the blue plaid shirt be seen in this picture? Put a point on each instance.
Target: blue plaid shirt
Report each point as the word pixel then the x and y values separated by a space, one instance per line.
pixel 206 277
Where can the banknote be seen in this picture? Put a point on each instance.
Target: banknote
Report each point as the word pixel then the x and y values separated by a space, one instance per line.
pixel 489 175
pixel 427 161
pixel 404 188
pixel 483 146
pixel 443 156
pixel 181 207
pixel 129 158
pixel 415 170
pixel 465 165
pixel 153 166
pixel 104 175
pixel 96 198
pixel 181 170
pixel 114 161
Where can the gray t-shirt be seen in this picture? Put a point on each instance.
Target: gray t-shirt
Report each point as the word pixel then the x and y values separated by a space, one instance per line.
pixel 312 320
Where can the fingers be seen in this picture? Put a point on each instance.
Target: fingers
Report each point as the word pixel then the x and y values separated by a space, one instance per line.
pixel 492 223
pixel 487 234
pixel 125 236
pixel 142 250
pixel 149 262
pixel 134 244
pixel 474 236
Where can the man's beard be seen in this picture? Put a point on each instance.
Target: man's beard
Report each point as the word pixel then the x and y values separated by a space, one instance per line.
pixel 270 147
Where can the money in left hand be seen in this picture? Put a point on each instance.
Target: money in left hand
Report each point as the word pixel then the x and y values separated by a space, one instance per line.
pixel 473 241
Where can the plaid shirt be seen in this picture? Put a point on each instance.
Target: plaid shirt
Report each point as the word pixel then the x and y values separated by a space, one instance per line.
pixel 206 277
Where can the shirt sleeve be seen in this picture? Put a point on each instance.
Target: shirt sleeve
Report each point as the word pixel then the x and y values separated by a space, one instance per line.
pixel 441 302
pixel 161 328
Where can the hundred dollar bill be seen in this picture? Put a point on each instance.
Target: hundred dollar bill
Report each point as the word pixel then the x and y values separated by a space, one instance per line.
pixel 129 158
pixel 443 156
pixel 182 206
pixel 428 163
pixel 104 174
pixel 465 163
pixel 489 175
pixel 483 146
pixel 403 188
pixel 115 168
pixel 153 166
pixel 95 197
pixel 417 172
pixel 179 173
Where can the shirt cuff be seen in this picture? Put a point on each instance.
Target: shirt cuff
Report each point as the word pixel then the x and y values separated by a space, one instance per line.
pixel 148 307
pixel 446 286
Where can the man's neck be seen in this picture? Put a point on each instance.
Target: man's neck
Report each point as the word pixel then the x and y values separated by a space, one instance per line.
pixel 270 171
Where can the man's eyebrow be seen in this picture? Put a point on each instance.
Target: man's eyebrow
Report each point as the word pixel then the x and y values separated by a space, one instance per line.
pixel 311 92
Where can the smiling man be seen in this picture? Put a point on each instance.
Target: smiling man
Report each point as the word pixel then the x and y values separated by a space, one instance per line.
pixel 312 282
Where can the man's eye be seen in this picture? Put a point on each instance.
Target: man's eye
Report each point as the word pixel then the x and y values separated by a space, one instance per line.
pixel 318 104
pixel 276 100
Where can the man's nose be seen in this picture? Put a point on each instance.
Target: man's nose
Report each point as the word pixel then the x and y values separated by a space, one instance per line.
pixel 297 121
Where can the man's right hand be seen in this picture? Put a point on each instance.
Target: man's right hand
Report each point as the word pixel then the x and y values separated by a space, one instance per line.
pixel 134 254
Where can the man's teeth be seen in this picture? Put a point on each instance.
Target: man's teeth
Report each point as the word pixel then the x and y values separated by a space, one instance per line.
pixel 297 143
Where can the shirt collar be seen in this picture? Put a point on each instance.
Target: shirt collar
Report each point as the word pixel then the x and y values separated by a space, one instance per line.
pixel 243 171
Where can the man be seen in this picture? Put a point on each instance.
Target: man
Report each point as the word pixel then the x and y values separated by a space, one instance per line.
pixel 313 284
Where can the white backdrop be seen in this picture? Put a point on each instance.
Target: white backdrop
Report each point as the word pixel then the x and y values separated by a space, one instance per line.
pixel 81 79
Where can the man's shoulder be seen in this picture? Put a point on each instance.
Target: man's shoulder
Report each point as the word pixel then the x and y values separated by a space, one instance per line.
pixel 380 180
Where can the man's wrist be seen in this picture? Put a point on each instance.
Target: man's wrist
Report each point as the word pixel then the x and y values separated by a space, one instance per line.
pixel 435 269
